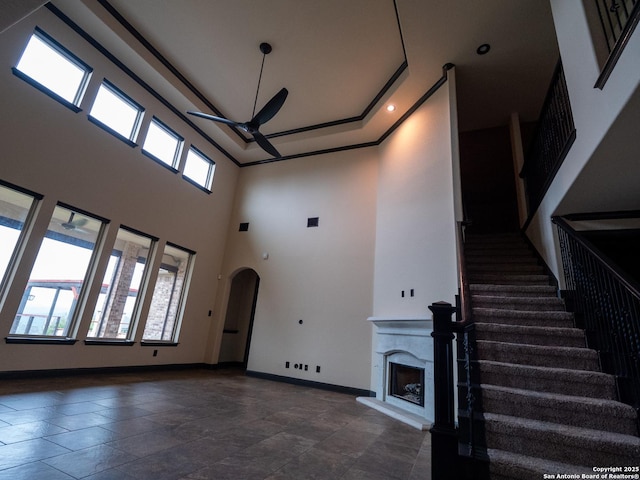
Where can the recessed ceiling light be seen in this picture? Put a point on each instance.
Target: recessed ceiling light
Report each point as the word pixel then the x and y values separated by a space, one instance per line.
pixel 483 49
pixel 391 108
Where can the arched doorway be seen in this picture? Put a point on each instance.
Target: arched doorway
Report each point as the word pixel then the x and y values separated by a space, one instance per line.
pixel 238 322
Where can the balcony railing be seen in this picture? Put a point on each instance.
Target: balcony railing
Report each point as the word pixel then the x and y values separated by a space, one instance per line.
pixel 553 137
pixel 618 19
pixel 606 302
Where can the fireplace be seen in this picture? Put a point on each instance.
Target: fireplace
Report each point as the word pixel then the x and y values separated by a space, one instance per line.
pixel 407 383
pixel 402 370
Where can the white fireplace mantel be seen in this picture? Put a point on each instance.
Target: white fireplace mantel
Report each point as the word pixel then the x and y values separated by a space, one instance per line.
pixel 405 340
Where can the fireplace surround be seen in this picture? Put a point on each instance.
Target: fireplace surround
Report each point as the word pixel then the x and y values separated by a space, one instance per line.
pixel 402 369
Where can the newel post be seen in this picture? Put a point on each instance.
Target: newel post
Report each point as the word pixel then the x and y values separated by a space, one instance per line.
pixel 444 437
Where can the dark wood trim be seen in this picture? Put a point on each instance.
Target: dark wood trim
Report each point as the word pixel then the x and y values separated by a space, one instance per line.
pixel 37 196
pixel 111 131
pixel 309 383
pixel 621 44
pixel 153 343
pixel 70 372
pixel 109 342
pixel 146 44
pixel 50 93
pixel 441 81
pixel 112 58
pixel 58 13
pixel 25 340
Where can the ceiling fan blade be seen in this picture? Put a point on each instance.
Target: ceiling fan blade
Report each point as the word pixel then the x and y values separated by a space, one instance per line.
pixel 214 118
pixel 266 145
pixel 270 109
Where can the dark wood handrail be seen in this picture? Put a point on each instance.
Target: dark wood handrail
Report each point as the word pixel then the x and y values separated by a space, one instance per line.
pixel 463 279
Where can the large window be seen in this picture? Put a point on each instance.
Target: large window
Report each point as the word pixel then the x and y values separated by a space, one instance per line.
pixel 168 295
pixel 162 144
pixel 15 209
pixel 113 110
pixel 116 309
pixel 199 169
pixel 53 69
pixel 50 300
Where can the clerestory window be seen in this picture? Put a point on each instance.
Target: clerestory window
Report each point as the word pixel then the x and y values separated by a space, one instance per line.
pixel 116 112
pixel 199 169
pixel 53 69
pixel 163 144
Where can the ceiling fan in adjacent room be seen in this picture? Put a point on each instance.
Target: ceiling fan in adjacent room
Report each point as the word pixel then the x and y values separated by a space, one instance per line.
pixel 76 224
pixel 263 116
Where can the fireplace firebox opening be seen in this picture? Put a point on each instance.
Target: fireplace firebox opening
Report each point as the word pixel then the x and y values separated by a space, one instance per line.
pixel 407 383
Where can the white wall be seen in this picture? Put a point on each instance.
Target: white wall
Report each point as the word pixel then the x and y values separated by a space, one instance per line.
pixel 53 151
pixel 415 224
pixel 594 111
pixel 322 276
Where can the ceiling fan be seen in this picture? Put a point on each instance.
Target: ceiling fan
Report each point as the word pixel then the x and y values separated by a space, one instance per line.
pixel 267 112
pixel 72 224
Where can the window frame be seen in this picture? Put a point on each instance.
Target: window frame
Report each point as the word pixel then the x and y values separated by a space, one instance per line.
pixel 70 338
pixel 178 151
pixel 180 303
pixel 12 265
pixel 210 174
pixel 68 55
pixel 140 297
pixel 135 129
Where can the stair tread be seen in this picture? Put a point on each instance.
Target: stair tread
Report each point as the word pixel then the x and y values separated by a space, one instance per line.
pixel 506 312
pixel 502 460
pixel 552 372
pixel 574 351
pixel 549 331
pixel 625 410
pixel 578 433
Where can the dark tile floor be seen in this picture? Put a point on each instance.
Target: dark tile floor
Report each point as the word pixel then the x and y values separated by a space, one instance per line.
pixel 198 424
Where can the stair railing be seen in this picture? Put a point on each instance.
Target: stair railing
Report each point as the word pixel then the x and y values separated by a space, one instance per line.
pixel 618 19
pixel 553 137
pixel 453 447
pixel 606 302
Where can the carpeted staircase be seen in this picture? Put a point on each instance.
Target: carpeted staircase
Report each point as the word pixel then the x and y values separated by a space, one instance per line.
pixel 546 407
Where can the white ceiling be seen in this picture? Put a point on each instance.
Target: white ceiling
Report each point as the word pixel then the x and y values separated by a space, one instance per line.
pixel 335 58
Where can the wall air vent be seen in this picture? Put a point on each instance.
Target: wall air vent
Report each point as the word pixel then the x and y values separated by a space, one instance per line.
pixel 313 221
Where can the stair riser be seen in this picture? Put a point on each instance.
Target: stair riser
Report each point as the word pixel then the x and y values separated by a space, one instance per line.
pixel 529 291
pixel 531 339
pixel 494 279
pixel 554 447
pixel 529 322
pixel 550 385
pixel 482 259
pixel 576 414
pixel 520 356
pixel 504 268
pixel 552 305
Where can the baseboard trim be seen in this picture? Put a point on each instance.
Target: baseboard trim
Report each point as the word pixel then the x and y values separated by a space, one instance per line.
pixel 69 372
pixel 309 383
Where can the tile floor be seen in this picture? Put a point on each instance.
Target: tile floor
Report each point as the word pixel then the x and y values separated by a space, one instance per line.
pixel 198 424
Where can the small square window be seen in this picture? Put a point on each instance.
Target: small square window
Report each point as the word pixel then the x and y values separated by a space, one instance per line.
pixel 162 144
pixel 199 169
pixel 51 68
pixel 116 112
